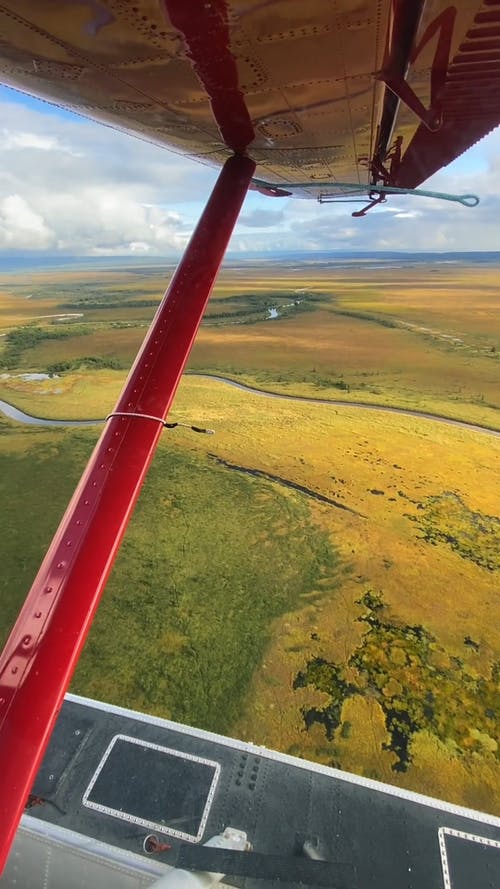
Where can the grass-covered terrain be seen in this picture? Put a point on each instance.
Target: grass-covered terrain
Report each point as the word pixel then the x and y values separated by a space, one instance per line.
pixel 426 337
pixel 320 579
pixel 191 602
pixel 414 681
pixel 205 568
pixel 366 341
pixel 34 490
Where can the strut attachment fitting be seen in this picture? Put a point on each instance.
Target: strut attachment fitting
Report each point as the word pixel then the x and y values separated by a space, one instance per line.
pixel 395 79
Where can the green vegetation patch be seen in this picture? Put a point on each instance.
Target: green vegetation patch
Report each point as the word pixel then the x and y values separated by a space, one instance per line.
pixel 88 362
pixel 245 308
pixel 206 565
pixel 445 518
pixel 418 685
pixel 252 308
pixel 118 301
pixel 21 339
pixel 38 473
pixel 365 316
pixel 266 380
pixel 210 559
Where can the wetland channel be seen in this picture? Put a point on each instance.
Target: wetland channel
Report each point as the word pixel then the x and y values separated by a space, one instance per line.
pixel 13 413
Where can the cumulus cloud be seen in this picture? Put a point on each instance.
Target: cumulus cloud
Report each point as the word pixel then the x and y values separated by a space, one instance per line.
pixel 11 141
pixel 72 186
pixel 411 223
pixel 21 227
pixel 69 185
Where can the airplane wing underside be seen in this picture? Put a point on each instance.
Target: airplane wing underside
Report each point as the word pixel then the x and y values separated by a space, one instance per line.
pixel 352 91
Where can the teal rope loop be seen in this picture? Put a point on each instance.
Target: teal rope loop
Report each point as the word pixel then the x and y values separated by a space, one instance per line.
pixel 355 188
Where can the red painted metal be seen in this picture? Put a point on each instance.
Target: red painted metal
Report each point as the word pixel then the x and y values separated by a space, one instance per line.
pixel 473 46
pixel 468 58
pixel 493 31
pixel 205 28
pixel 43 648
pixel 395 80
pixel 401 37
pixel 487 17
pixel 386 172
pixel 468 105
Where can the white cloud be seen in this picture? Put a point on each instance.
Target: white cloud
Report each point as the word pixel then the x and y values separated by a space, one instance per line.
pixel 73 186
pixel 12 141
pixel 21 227
pixel 139 247
pixel 411 223
pixel 408 214
pixel 69 185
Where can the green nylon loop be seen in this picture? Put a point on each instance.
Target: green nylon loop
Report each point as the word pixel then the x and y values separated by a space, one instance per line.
pixel 467 200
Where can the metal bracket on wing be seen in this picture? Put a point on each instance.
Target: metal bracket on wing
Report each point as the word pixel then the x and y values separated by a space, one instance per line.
pixel 395 79
pixel 350 192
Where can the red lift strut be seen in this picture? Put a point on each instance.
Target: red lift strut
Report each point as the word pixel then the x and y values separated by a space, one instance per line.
pixel 43 648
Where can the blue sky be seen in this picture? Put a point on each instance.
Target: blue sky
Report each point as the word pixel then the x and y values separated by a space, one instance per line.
pixel 68 185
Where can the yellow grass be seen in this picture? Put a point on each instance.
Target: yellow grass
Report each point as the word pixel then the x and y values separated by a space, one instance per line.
pixel 440 355
pixel 345 454
pixel 76 396
pixel 381 466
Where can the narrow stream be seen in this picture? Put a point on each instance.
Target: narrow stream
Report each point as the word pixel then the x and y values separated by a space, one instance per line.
pixel 15 414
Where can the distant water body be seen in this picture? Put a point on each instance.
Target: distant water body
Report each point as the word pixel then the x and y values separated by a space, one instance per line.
pixel 324 259
pixel 33 264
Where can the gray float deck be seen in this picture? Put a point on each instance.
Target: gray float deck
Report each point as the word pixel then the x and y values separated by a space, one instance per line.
pixel 117 776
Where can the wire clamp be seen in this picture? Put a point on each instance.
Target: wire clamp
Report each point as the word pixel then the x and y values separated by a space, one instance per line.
pixel 159 420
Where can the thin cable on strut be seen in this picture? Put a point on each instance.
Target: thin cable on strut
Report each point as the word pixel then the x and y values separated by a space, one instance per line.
pixel 159 420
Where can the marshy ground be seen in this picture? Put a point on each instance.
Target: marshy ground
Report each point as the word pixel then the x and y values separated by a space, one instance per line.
pixel 362 636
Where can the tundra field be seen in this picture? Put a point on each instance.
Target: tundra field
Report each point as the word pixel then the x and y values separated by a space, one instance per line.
pixel 325 577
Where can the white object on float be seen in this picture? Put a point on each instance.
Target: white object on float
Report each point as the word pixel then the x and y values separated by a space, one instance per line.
pixel 185 879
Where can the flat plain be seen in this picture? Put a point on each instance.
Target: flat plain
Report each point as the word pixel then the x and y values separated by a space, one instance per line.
pixel 324 577
pixel 420 337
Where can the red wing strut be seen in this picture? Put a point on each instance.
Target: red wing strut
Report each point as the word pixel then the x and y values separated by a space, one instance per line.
pixel 42 651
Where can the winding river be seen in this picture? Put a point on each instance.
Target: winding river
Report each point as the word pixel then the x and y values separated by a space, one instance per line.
pixel 15 414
